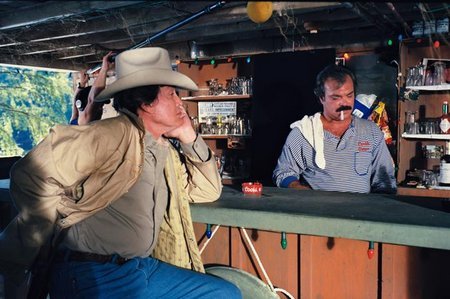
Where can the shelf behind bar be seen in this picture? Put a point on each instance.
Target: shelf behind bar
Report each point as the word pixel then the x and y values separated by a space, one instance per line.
pixel 218 98
pixel 215 136
pixel 427 136
pixel 423 192
pixel 430 87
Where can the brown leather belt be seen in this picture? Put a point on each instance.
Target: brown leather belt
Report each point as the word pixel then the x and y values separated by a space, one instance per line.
pixel 77 256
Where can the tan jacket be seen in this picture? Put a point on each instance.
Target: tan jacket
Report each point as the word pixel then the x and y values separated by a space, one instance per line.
pixel 78 170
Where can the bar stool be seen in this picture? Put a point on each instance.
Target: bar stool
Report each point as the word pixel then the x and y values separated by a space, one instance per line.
pixel 250 285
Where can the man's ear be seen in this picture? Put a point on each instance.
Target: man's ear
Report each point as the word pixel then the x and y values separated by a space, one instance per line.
pixel 146 107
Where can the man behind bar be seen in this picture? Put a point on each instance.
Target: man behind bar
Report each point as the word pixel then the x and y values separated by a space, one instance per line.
pixel 333 150
pixel 114 195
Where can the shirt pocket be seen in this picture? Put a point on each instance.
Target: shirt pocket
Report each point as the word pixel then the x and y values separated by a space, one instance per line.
pixel 362 162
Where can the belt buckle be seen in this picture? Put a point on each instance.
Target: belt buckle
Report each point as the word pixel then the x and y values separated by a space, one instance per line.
pixel 119 260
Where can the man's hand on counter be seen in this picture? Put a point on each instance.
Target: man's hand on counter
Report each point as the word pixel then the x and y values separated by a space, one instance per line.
pixel 297 185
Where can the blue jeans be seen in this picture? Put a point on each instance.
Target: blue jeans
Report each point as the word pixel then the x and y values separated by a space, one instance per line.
pixel 137 278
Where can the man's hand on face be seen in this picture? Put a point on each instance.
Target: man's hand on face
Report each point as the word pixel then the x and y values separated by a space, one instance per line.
pixel 185 132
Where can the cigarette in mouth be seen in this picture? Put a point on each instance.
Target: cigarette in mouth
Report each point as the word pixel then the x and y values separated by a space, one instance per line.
pixel 342 114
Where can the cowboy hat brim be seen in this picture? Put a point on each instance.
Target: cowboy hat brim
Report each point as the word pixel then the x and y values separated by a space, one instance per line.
pixel 147 77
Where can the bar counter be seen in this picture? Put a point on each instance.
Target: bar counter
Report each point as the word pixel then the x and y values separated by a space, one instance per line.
pixel 327 234
pixel 372 217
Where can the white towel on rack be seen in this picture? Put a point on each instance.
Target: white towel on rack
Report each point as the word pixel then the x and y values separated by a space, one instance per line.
pixel 312 129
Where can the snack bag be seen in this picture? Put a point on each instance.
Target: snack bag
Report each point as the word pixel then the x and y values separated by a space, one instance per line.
pixel 380 117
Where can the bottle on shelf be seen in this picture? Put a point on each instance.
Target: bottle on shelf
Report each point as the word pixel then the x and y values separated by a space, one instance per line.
pixel 411 126
pixel 445 119
pixel 444 168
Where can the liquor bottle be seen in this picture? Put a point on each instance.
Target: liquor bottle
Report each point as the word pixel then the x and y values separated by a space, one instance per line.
pixel 445 119
pixel 444 169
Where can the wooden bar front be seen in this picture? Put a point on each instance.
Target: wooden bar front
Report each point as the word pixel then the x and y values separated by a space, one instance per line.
pixel 326 255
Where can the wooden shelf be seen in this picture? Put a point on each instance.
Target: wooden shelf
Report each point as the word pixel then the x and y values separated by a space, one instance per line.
pixel 214 136
pixel 427 136
pixel 430 87
pixel 429 104
pixel 211 136
pixel 218 98
pixel 198 100
pixel 423 192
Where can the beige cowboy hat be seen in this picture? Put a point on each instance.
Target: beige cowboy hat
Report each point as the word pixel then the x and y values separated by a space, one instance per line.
pixel 141 67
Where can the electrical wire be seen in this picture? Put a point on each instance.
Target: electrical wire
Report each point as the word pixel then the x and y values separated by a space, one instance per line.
pixel 210 238
pixel 255 255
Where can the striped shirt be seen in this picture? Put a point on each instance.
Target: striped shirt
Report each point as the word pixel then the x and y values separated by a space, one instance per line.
pixel 359 161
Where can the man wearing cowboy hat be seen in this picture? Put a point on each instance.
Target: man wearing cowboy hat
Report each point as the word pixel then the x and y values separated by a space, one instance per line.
pixel 113 196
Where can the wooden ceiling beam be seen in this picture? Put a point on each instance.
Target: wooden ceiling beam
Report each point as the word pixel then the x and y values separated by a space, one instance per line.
pixel 82 32
pixel 56 10
pixel 232 12
pixel 127 38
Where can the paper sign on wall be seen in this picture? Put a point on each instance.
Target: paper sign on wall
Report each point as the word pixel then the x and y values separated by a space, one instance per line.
pixel 211 109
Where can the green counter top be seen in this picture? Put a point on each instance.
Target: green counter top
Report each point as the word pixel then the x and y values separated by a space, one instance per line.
pixel 372 217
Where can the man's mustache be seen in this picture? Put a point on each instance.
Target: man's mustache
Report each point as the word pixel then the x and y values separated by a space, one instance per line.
pixel 342 108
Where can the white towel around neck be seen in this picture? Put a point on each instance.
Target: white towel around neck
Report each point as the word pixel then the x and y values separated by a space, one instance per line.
pixel 312 129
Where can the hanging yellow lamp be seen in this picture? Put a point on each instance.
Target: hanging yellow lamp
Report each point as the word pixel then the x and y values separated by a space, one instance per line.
pixel 259 11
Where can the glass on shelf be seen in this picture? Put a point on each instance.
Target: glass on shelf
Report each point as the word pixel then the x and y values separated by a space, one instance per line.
pixel 215 88
pixel 239 85
pixel 429 77
pixel 195 124
pixel 411 126
pixel 226 125
pixel 429 127
pixel 415 75
pixel 431 74
pixel 429 178
pixel 439 73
